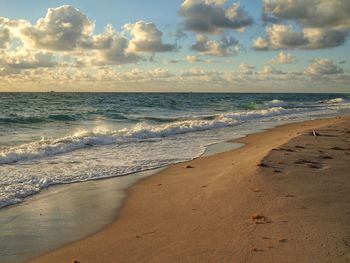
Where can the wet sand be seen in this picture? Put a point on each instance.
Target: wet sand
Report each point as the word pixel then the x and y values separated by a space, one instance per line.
pixel 284 197
pixel 60 215
pixel 65 213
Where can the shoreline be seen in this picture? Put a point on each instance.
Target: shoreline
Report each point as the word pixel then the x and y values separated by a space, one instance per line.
pixel 128 213
pixel 36 210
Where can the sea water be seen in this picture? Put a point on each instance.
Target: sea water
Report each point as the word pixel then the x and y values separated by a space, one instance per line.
pixel 61 138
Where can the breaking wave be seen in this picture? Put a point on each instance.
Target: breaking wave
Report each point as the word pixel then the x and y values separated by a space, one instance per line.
pixel 142 131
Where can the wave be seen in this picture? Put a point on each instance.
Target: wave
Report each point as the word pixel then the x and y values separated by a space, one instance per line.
pixel 335 101
pixel 277 103
pixel 139 132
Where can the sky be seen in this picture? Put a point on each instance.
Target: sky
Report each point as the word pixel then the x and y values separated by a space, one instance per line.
pixel 175 46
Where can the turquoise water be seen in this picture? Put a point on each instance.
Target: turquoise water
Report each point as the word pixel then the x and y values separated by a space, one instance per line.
pixel 60 138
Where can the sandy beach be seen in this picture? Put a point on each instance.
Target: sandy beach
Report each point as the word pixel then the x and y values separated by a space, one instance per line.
pixel 283 197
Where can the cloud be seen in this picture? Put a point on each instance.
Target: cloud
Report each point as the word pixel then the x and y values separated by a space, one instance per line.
pixel 117 53
pixel 146 37
pixel 21 58
pixel 284 58
pixel 141 75
pixel 67 29
pixel 280 36
pixel 325 38
pixel 173 61
pixel 14 61
pixel 323 67
pixel 197 72
pixel 268 70
pixel 63 29
pixel 110 48
pixel 225 47
pixel 201 76
pixel 246 69
pixel 213 16
pixel 323 23
pixel 310 13
pixel 283 37
pixel 4 37
pixel 6 71
pixel 134 75
pixel 193 59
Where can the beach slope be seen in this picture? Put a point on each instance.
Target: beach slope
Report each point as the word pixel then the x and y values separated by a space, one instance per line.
pixel 283 197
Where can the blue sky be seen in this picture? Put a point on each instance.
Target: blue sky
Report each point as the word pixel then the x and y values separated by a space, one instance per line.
pixel 235 50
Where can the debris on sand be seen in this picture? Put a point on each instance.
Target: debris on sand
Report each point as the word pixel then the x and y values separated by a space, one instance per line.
pixel 315 133
pixel 255 249
pixel 189 167
pixel 315 166
pixel 259 219
pixel 256 190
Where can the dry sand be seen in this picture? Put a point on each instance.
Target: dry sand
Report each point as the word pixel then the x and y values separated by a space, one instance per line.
pixel 284 197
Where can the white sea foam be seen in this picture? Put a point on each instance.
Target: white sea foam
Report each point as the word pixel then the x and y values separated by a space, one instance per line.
pixel 139 132
pixel 277 103
pixel 335 101
pixel 28 168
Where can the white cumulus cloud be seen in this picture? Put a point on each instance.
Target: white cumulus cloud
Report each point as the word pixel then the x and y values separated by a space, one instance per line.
pixel 323 67
pixel 146 37
pixel 284 58
pixel 63 28
pixel 323 23
pixel 224 47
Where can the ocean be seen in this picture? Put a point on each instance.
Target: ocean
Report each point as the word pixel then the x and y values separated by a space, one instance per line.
pixel 62 138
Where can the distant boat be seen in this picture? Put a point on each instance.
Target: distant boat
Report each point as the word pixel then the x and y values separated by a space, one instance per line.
pixel 52 91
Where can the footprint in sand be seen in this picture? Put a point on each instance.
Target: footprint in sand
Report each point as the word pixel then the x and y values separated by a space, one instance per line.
pixel 315 166
pixel 262 164
pixel 289 195
pixel 277 171
pixel 289 150
pixel 337 148
pixel 303 161
pixel 299 147
pixel 326 157
pixel 346 242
